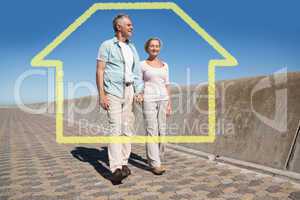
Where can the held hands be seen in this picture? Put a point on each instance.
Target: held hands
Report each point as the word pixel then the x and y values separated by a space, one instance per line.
pixel 139 98
pixel 169 109
pixel 103 101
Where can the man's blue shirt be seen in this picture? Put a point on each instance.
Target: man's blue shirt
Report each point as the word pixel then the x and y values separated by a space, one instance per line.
pixel 114 72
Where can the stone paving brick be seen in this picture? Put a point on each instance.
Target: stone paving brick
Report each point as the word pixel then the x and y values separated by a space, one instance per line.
pixel 151 197
pixel 4 197
pixel 273 189
pixel 65 189
pixel 294 195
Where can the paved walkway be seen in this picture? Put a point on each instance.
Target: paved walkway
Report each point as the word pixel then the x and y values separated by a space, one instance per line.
pixel 33 166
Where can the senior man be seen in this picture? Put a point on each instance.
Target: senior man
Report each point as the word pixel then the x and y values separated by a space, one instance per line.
pixel 119 82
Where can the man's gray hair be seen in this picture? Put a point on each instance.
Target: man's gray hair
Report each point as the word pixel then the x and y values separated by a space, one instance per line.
pixel 117 19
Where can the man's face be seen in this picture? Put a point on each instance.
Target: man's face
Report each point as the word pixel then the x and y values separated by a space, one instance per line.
pixel 125 27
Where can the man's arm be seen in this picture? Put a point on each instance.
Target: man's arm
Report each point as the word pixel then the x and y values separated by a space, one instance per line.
pixel 138 82
pixel 103 100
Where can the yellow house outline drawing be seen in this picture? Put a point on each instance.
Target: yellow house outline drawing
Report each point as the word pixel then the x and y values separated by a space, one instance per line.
pixel 40 61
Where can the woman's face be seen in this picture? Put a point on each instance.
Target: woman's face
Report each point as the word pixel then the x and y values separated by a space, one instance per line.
pixel 153 48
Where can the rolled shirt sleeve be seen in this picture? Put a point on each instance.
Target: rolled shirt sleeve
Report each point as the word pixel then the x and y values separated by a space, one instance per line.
pixel 102 53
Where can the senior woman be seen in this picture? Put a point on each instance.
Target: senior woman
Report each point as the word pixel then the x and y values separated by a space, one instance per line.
pixel 157 101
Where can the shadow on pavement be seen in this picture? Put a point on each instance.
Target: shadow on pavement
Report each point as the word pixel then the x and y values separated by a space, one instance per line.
pixel 93 156
pixel 139 162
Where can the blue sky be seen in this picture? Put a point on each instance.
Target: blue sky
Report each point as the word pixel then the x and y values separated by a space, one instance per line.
pixel 262 35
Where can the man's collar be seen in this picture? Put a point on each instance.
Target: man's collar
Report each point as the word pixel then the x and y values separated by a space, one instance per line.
pixel 115 40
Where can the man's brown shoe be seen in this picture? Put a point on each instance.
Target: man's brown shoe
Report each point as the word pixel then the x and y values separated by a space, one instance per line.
pixel 125 171
pixel 117 176
pixel 158 170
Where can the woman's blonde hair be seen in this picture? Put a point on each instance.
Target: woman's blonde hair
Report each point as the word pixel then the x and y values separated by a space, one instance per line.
pixel 149 40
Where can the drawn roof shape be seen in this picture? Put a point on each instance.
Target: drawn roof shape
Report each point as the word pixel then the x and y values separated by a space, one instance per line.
pixel 40 61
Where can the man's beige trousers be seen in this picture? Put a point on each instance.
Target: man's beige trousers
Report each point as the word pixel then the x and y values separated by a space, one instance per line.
pixel 121 121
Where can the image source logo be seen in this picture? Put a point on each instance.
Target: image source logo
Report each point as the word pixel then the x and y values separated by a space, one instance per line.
pixel 279 122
